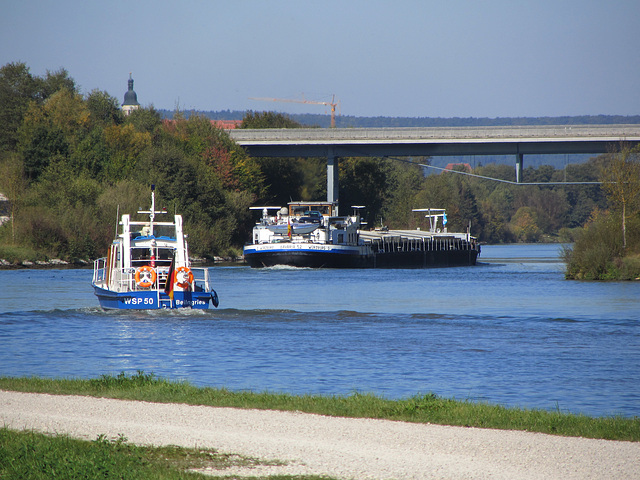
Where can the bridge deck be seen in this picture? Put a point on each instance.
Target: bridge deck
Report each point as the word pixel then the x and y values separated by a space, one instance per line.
pixel 435 141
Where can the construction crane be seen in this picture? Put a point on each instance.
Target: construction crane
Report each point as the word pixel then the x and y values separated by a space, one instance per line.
pixel 332 104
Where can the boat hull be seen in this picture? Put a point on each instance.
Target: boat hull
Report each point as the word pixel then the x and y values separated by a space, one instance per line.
pixel 327 256
pixel 425 259
pixel 306 255
pixel 153 299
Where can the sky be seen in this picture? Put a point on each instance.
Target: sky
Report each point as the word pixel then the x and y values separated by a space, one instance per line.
pixel 396 58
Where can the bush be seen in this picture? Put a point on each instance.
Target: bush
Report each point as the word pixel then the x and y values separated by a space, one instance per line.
pixel 598 254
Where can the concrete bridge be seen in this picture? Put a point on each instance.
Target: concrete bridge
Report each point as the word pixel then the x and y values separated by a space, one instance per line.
pixel 436 141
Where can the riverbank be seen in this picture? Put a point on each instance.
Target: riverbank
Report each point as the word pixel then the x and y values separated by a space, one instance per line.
pixel 311 444
pixel 418 409
pixel 81 263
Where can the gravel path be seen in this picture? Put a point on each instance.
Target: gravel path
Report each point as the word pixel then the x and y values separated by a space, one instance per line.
pixel 340 447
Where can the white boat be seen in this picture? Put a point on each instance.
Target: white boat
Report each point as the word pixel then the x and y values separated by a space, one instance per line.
pixel 148 267
pixel 306 234
pixel 312 234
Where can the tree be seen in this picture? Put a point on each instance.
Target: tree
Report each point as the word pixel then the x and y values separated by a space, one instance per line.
pixel 267 120
pixel 12 184
pixel 363 181
pixel 55 81
pixel 621 182
pixel 125 146
pixel 404 181
pixel 68 111
pixel 145 119
pixel 524 225
pixel 17 88
pixel 103 109
pixel 45 144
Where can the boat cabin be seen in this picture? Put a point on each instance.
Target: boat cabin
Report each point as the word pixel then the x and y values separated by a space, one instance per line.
pixel 312 209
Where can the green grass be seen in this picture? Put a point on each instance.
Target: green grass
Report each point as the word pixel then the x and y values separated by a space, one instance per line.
pixel 16 254
pixel 420 408
pixel 37 456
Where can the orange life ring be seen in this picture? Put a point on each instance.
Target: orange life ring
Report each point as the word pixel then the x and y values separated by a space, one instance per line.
pixel 184 277
pixel 145 276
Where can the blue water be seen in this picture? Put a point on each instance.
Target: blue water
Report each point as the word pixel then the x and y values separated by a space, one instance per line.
pixel 510 331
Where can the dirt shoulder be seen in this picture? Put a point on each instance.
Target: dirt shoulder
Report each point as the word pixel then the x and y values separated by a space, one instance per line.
pixel 340 447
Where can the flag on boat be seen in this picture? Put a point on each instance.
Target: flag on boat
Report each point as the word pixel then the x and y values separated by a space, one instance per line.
pixel 444 218
pixel 168 286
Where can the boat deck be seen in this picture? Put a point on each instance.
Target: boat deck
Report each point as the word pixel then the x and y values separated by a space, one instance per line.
pixel 416 240
pixel 388 235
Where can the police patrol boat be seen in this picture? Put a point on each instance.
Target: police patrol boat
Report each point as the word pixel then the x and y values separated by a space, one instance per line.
pixel 147 267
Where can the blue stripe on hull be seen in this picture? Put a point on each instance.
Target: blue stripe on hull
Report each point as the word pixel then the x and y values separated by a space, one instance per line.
pixel 148 300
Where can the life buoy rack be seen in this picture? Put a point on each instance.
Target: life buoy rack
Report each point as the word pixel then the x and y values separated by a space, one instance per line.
pixel 184 277
pixel 145 276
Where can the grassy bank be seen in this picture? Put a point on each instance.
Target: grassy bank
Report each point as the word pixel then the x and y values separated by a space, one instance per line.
pixel 420 409
pixel 37 456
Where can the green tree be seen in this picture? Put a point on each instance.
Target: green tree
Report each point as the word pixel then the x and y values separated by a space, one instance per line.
pixel 404 181
pixel 103 109
pixel 524 225
pixel 593 254
pixel 17 89
pixel 621 182
pixel 363 181
pixel 125 146
pixel 92 155
pixel 44 145
pixel 145 119
pixel 12 184
pixel 267 120
pixel 52 129
pixel 53 82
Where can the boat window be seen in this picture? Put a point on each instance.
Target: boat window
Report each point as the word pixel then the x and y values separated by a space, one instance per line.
pixel 167 231
pixel 310 219
pixel 140 256
pixel 164 256
pixel 298 211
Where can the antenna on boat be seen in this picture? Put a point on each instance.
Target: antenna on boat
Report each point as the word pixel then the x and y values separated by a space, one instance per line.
pixel 117 217
pixel 152 212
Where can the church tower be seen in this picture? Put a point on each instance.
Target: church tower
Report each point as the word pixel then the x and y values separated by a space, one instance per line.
pixel 130 99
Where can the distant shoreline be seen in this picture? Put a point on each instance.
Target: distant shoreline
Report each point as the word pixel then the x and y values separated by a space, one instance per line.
pixel 88 264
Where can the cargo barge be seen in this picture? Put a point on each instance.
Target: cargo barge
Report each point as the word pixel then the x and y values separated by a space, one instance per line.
pixel 312 235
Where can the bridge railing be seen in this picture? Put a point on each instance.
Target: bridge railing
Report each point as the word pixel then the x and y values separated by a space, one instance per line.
pixel 612 132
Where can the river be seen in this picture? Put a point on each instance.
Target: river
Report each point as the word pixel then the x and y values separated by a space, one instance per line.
pixel 508 331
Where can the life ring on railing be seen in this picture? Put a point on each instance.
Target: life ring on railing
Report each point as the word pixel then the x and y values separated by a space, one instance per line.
pixel 184 277
pixel 145 276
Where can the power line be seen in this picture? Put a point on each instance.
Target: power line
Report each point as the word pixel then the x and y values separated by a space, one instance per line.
pixel 491 178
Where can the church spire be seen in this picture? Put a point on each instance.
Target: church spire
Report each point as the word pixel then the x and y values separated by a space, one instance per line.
pixel 130 98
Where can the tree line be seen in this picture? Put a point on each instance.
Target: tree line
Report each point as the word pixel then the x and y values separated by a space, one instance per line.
pixel 351 121
pixel 70 162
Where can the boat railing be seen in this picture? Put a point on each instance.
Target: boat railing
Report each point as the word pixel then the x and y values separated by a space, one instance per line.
pixel 123 279
pixel 99 270
pixel 200 279
pixel 420 244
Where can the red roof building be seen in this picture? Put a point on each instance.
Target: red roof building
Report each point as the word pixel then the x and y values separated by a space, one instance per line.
pixel 465 167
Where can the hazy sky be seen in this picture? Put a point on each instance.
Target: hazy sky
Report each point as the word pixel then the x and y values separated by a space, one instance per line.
pixel 417 58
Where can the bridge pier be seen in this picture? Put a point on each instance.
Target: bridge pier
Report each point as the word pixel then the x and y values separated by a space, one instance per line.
pixel 333 169
pixel 519 158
